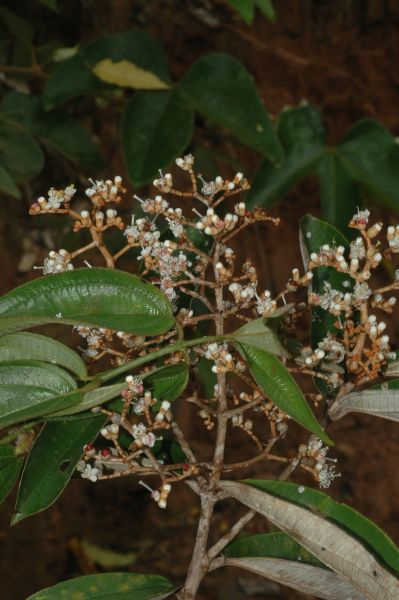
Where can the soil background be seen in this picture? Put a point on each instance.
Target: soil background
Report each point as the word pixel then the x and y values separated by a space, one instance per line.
pixel 343 58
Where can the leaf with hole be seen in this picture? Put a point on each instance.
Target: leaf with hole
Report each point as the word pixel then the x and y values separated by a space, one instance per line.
pixel 98 296
pixel 156 128
pixel 333 546
pixel 10 468
pixel 280 387
pixel 30 389
pixel 33 346
pixel 116 586
pixel 220 88
pixel 51 463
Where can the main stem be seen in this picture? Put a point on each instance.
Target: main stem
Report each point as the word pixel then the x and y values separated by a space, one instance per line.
pixel 208 496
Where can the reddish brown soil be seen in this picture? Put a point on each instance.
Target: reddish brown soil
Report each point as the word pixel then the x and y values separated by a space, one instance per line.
pixel 343 60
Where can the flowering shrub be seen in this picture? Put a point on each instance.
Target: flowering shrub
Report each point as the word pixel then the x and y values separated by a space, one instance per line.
pixel 201 329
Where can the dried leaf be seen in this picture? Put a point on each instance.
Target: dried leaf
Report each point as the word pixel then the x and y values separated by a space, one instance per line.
pixel 126 74
pixel 333 546
pixel 106 558
pixel 380 403
pixel 299 576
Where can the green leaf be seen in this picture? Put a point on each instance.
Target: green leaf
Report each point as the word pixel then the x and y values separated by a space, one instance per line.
pixel 115 586
pixel 169 382
pixel 371 156
pixel 32 346
pixel 261 334
pixel 340 194
pixel 98 296
pixel 302 134
pixel 22 156
pixel 245 8
pixel 65 135
pixel 91 399
pixel 156 128
pixel 281 388
pixel 219 87
pixel 106 558
pixel 273 545
pixel 314 233
pixel 51 4
pixel 30 389
pixel 267 8
pixel 335 547
pixel 10 467
pixel 371 536
pixel 7 184
pixel 75 76
pixel 207 377
pixel 19 27
pixel 51 463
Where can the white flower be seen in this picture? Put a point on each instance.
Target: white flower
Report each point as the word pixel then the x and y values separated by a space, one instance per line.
pixel 90 473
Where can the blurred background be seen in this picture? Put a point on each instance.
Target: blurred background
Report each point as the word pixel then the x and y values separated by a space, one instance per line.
pixel 301 96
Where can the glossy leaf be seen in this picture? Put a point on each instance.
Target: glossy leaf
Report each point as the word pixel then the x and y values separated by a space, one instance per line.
pixel 260 333
pixel 115 586
pixel 10 467
pixel 101 297
pixel 91 399
pixel 156 128
pixel 272 545
pixel 30 389
pixel 302 134
pixel 75 75
pixel 220 88
pixel 169 382
pixel 341 514
pixel 51 463
pixel 32 346
pixel 314 233
pixel 333 546
pixel 281 388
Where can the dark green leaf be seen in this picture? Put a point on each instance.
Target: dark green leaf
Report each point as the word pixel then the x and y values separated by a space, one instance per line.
pixel 98 296
pixel 75 76
pixel 19 27
pixel 371 155
pixel 303 137
pixel 156 128
pixel 51 4
pixel 30 389
pixel 7 184
pixel 169 382
pixel 10 467
pixel 113 586
pixel 281 388
pixel 267 8
pixel 222 89
pixel 342 515
pixel 273 545
pixel 340 194
pixel 314 233
pixel 32 346
pixel 65 135
pixel 51 463
pixel 246 9
pixel 22 156
pixel 206 376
